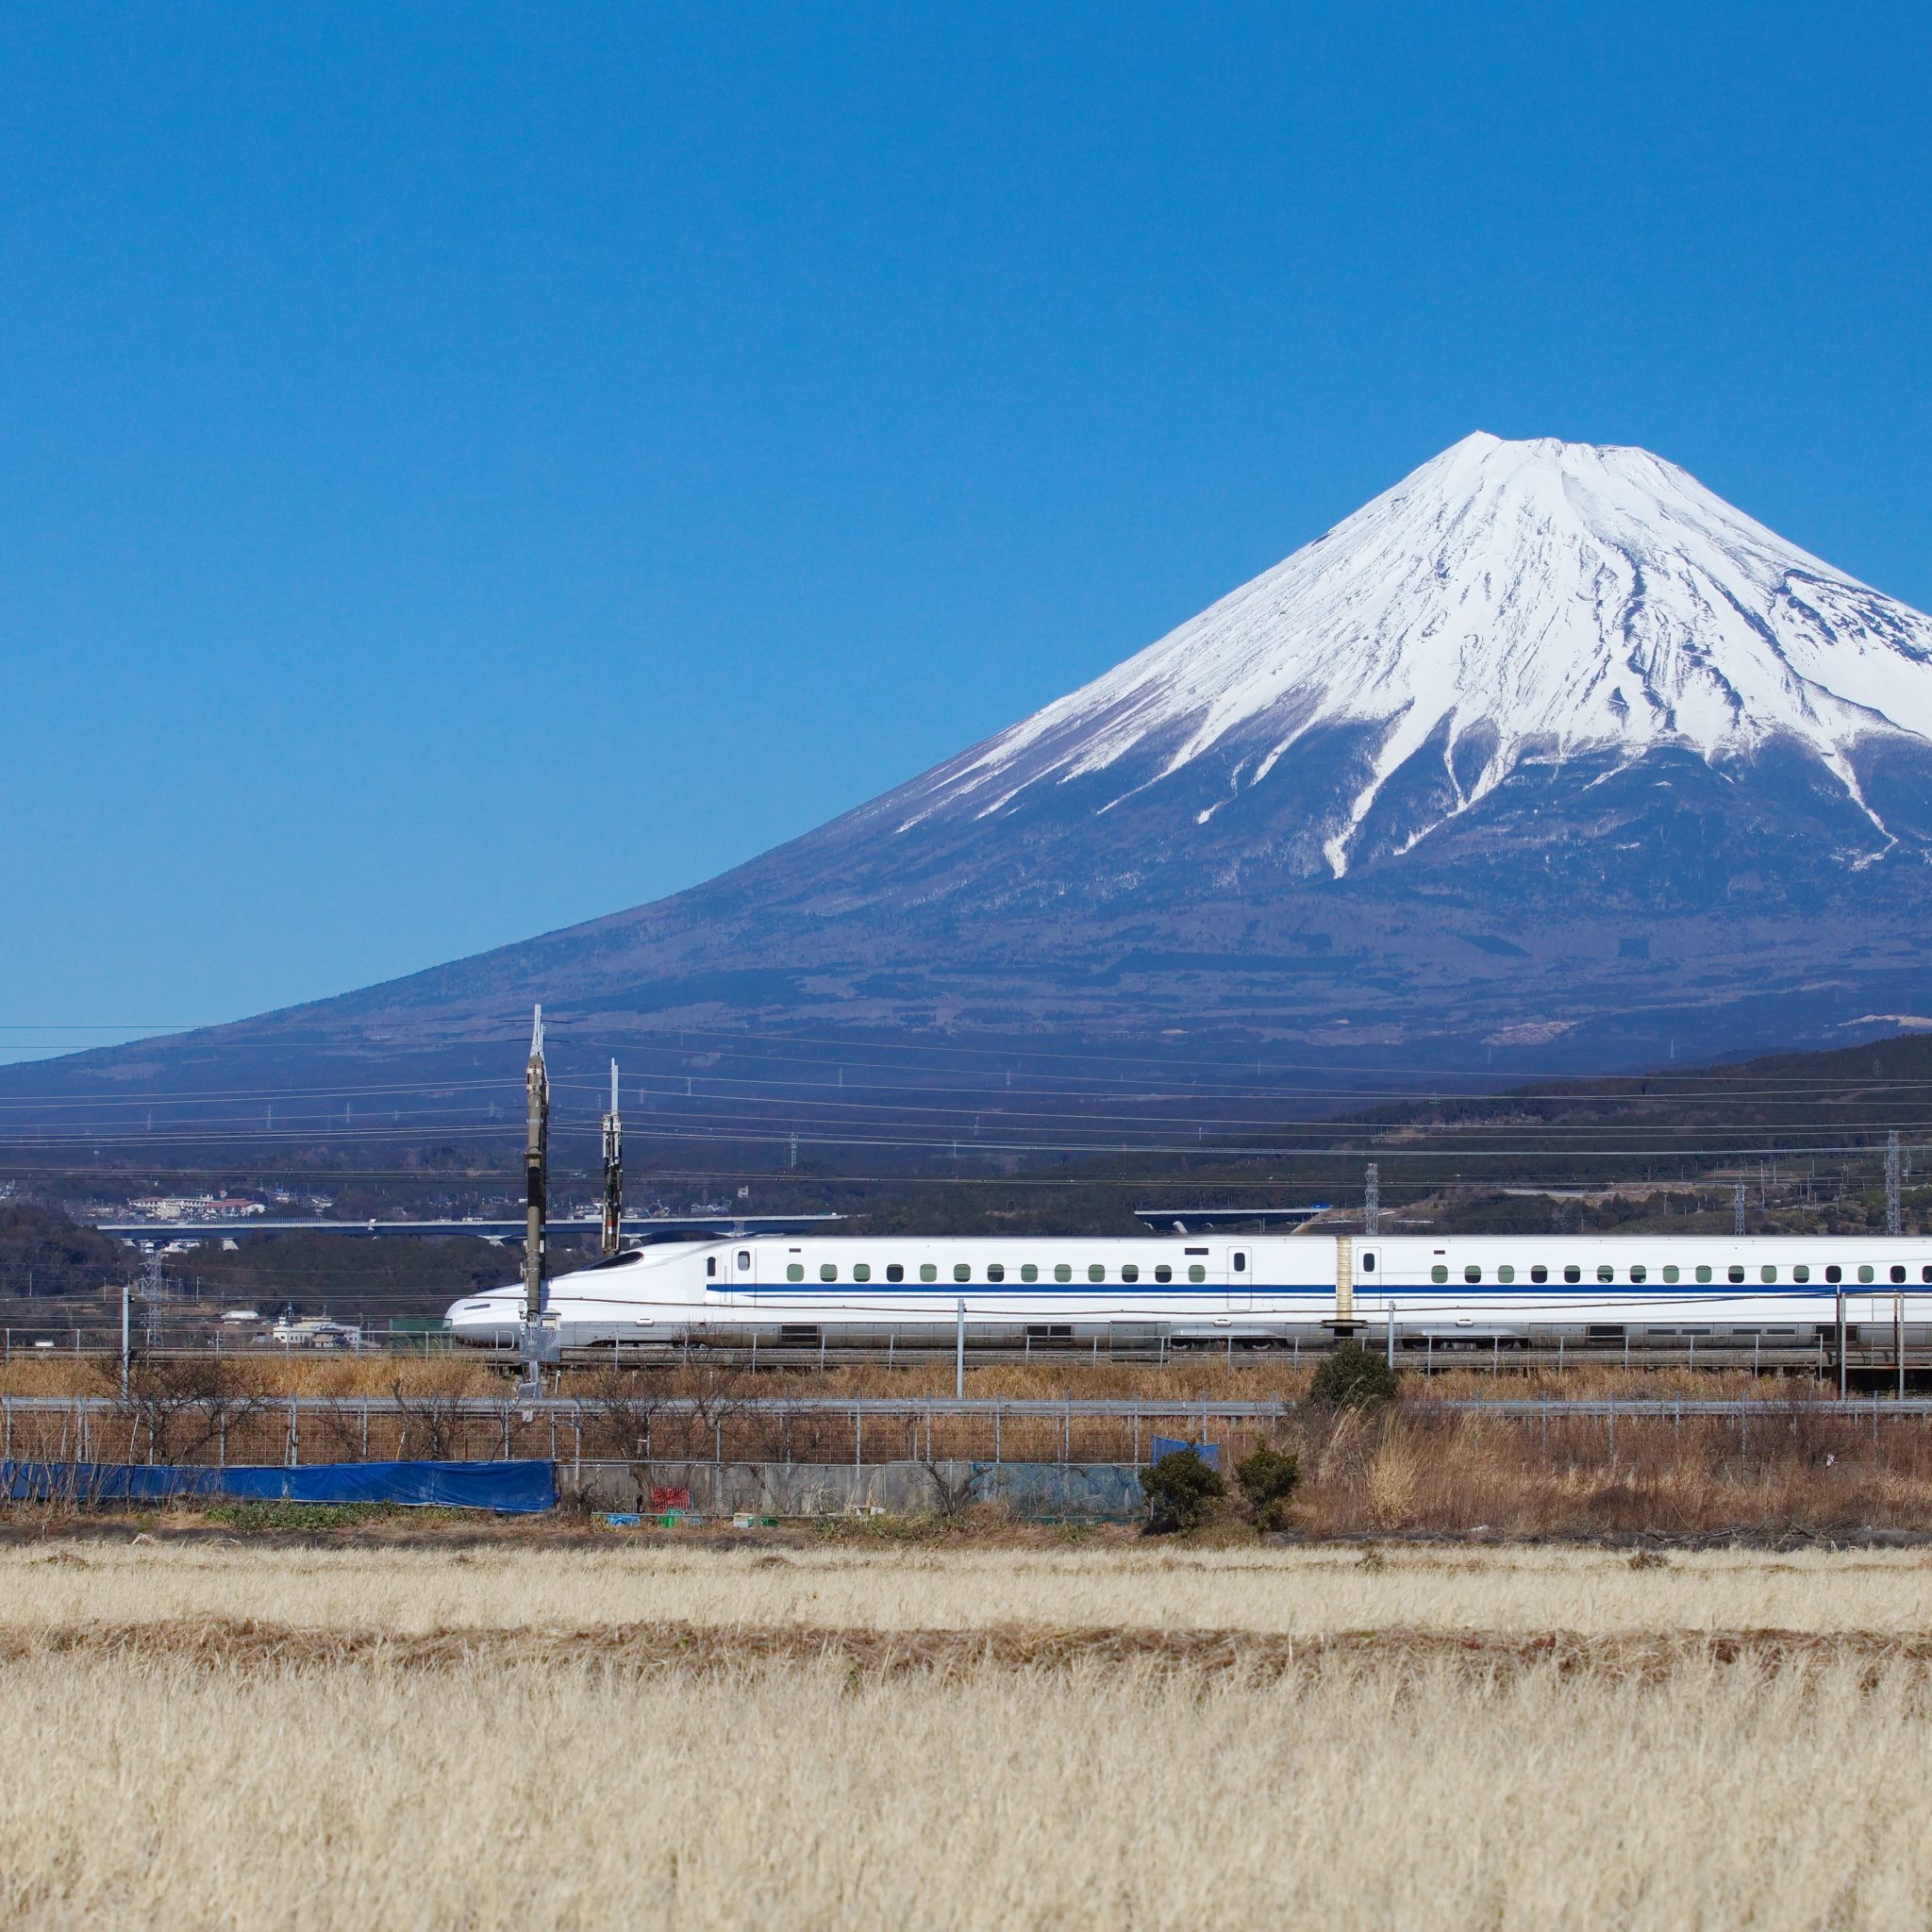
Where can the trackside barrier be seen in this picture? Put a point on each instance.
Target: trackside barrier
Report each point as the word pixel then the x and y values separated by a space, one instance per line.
pixel 516 1488
pixel 1038 1491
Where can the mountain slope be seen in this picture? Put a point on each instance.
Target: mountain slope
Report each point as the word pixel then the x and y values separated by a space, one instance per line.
pixel 1546 752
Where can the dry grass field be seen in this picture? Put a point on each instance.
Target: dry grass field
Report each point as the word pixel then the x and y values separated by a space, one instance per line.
pixel 1142 1585
pixel 1263 1376
pixel 1098 1735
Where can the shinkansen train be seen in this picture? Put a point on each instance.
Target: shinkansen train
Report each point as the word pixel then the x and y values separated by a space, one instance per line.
pixel 1269 1289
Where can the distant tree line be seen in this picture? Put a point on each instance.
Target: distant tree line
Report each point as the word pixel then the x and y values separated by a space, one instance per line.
pixel 44 1253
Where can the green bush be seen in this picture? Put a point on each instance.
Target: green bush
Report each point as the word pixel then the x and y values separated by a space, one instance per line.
pixel 1182 1490
pixel 1268 1479
pixel 1352 1376
pixel 279 1515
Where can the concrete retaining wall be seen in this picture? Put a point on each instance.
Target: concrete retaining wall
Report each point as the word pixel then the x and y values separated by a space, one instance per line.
pixel 1080 1492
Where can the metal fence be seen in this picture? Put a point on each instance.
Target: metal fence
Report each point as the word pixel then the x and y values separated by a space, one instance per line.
pixel 641 1426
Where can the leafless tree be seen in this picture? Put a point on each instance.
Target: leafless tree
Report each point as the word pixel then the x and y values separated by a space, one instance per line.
pixel 626 1406
pixel 178 1411
pixel 953 1495
pixel 432 1424
pixel 718 1399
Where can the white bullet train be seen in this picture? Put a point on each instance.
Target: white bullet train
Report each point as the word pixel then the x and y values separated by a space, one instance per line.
pixel 795 1289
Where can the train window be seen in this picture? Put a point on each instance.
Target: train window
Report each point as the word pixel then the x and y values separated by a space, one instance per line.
pixel 1864 1271
pixel 1163 1273
pixel 1833 1272
pixel 1800 1273
pixel 1925 1274
pixel 1473 1273
pixel 1768 1272
pixel 1539 1272
pixel 744 1258
pixel 1129 1272
pixel 1439 1274
pixel 1736 1270
pixel 1670 1270
pixel 795 1271
pixel 1241 1262
pixel 1638 1272
pixel 1506 1272
pixel 862 1271
pixel 895 1271
pixel 962 1271
pixel 928 1272
pixel 1196 1272
pixel 1061 1272
pixel 828 1270
pixel 1096 1271
pixel 996 1270
pixel 1571 1272
pixel 1368 1264
pixel 711 1264
pixel 1028 1272
pixel 1898 1274
pixel 1605 1271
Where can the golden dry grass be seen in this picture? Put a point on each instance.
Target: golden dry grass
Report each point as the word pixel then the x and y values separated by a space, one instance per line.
pixel 794 1795
pixel 210 1735
pixel 1143 1586
pixel 1247 1378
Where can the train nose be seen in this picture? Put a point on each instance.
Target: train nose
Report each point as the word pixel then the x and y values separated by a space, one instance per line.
pixel 481 1321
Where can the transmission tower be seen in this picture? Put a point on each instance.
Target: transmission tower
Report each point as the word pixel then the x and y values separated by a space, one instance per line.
pixel 1892 1218
pixel 1371 1199
pixel 1738 1209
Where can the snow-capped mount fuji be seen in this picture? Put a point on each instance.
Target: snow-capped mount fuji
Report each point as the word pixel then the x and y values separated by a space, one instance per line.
pixel 1547 756
pixel 1507 603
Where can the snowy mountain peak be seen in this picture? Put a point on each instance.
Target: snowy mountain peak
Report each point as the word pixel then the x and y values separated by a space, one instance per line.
pixel 1507 602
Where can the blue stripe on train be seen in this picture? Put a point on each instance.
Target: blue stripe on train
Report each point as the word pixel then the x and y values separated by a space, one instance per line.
pixel 1162 1290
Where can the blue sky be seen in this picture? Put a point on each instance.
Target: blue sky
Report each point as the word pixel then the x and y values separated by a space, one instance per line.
pixel 466 470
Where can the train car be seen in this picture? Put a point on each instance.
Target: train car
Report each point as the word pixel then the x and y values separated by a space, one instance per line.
pixel 789 1289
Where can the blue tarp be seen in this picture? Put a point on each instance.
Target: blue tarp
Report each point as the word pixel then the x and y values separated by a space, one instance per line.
pixel 1209 1453
pixel 509 1488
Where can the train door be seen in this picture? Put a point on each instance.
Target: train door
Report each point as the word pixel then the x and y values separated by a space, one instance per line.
pixel 1240 1278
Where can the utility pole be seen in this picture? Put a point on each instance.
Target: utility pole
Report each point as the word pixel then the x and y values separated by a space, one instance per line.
pixel 613 1172
pixel 1371 1199
pixel 536 1190
pixel 1892 1218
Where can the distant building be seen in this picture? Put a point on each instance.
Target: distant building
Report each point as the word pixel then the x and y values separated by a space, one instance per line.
pixel 196 1207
